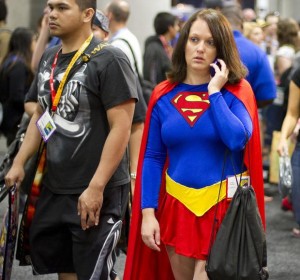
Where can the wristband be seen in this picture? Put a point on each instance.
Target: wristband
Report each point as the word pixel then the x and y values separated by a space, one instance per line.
pixel 133 175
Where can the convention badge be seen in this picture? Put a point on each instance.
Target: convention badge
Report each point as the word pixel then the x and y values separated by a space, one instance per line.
pixel 233 182
pixel 46 125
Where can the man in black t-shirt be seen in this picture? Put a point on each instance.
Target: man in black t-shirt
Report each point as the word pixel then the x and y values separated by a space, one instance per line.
pixel 86 163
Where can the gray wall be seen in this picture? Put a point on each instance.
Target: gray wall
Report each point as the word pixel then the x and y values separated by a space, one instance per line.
pixel 26 13
pixel 142 15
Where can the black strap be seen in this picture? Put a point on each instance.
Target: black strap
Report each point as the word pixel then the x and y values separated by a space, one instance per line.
pixel 134 58
pixel 85 57
pixel 216 208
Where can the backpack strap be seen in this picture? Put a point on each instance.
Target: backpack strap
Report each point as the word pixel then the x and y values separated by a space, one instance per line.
pixel 133 55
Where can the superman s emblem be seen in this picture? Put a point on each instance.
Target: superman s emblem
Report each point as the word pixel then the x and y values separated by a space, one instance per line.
pixel 191 105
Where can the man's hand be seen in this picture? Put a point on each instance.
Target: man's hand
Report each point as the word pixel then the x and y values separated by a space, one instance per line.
pixel 89 206
pixel 15 175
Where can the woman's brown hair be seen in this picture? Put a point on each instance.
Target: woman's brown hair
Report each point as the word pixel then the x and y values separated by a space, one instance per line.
pixel 224 42
pixel 287 32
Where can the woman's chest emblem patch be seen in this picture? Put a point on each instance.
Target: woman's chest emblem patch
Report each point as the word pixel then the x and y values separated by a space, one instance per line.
pixel 191 105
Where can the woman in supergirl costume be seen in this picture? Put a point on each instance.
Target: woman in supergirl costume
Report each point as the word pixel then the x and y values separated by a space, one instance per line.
pixel 192 120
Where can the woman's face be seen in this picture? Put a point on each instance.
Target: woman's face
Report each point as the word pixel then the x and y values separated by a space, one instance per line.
pixel 99 33
pixel 257 35
pixel 200 50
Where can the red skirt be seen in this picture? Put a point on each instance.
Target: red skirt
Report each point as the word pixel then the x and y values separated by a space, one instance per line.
pixel 188 234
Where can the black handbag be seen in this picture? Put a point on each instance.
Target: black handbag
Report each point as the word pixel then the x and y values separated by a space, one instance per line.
pixel 12 150
pixel 239 250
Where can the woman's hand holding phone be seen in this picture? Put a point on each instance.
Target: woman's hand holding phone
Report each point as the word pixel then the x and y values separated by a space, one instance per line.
pixel 219 76
pixel 212 69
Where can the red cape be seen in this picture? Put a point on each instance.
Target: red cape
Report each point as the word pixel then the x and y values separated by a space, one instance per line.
pixel 144 263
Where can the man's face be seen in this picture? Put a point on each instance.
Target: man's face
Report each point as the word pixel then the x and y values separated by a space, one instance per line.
pixel 99 33
pixel 65 17
pixel 174 29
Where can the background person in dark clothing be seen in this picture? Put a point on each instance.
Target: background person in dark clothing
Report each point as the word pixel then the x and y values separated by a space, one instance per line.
pixel 15 79
pixel 5 33
pixel 158 50
pixel 87 175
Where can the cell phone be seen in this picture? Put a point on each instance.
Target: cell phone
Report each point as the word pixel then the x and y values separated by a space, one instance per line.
pixel 212 70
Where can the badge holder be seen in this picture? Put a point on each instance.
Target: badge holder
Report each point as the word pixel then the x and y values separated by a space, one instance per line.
pixel 46 126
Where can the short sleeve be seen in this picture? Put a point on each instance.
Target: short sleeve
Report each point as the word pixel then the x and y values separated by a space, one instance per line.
pixel 118 82
pixel 32 93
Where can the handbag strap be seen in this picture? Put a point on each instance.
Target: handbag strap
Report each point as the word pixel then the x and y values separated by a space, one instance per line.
pixel 264 260
pixel 216 208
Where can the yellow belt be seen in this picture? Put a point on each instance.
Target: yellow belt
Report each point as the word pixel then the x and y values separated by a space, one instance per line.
pixel 198 201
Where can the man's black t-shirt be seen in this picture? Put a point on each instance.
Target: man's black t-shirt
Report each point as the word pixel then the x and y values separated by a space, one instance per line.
pixel 74 150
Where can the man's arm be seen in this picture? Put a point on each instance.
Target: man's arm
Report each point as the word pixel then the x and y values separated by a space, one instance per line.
pixel 41 43
pixel 28 148
pixel 29 107
pixel 90 201
pixel 134 149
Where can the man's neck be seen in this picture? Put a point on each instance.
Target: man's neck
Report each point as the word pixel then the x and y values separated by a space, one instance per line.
pixel 167 37
pixel 74 42
pixel 116 26
pixel 2 23
pixel 236 27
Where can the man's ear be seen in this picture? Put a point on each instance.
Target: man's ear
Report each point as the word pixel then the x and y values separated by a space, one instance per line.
pixel 109 15
pixel 88 14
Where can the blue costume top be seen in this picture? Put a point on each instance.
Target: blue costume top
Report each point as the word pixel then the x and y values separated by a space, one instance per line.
pixel 260 77
pixel 194 130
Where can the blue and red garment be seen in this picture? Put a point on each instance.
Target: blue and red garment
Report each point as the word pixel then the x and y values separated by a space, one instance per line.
pixel 143 262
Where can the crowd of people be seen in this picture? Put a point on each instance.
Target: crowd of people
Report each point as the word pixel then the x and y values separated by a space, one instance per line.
pixel 279 39
pixel 117 165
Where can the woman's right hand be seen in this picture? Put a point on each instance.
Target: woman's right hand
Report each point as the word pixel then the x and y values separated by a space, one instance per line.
pixel 282 148
pixel 220 78
pixel 150 229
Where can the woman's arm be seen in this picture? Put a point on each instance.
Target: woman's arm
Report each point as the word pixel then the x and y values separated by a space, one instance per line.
pixel 290 119
pixel 234 124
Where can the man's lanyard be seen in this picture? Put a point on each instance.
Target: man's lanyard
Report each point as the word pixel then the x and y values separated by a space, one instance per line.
pixel 56 95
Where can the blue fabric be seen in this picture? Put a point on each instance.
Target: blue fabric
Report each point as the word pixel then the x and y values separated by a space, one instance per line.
pixel 195 153
pixel 296 182
pixel 260 76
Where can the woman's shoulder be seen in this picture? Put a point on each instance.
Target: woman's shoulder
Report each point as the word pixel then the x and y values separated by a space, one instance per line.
pixel 243 91
pixel 242 86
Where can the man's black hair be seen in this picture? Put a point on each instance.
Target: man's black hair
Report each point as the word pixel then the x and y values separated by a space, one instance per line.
pixel 85 4
pixel 163 21
pixel 3 11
